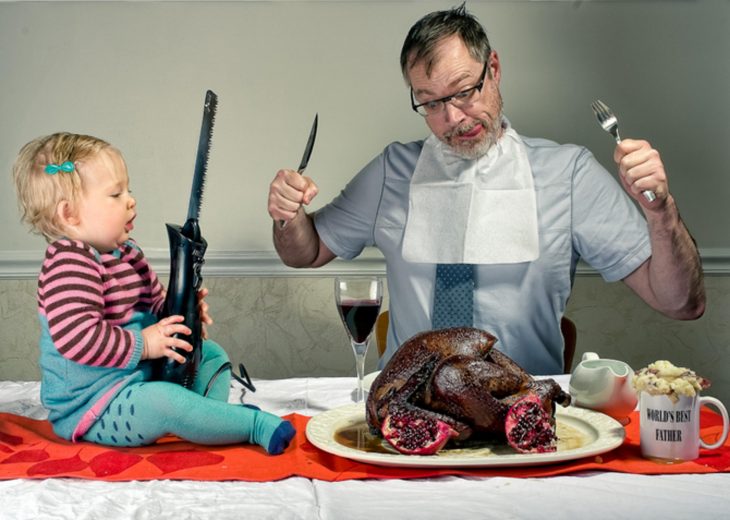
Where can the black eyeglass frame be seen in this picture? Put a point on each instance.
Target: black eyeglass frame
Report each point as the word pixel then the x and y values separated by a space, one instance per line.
pixel 478 87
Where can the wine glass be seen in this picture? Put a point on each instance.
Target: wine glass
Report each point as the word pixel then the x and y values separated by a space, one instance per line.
pixel 358 300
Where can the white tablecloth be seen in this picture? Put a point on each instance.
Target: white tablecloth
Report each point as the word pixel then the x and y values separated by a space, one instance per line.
pixel 589 496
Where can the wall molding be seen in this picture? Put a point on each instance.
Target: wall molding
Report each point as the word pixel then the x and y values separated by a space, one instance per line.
pixel 220 263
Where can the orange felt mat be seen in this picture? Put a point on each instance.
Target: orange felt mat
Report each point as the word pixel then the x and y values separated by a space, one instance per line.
pixel 30 449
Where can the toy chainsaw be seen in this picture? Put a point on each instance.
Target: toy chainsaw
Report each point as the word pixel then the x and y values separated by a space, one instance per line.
pixel 187 249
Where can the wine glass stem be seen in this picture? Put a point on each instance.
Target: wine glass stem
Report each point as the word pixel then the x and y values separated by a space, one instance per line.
pixel 360 349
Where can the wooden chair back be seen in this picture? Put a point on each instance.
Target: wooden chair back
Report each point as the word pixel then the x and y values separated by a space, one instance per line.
pixel 570 337
pixel 381 332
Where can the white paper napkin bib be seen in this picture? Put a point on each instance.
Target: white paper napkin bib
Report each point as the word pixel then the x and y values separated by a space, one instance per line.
pixel 475 211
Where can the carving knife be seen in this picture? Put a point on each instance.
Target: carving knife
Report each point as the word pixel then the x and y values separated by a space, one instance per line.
pixel 187 251
pixel 307 154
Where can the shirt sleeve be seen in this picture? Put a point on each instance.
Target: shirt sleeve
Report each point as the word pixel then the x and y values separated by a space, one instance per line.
pixel 609 232
pixel 346 225
pixel 70 294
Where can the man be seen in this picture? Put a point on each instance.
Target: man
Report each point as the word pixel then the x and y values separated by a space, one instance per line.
pixel 521 211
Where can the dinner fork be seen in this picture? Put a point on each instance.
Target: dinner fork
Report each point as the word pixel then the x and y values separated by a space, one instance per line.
pixel 609 123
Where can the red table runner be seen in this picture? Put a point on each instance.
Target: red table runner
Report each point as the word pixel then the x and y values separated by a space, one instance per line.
pixel 30 449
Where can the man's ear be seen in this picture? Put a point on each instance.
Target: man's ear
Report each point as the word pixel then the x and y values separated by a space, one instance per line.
pixel 495 68
pixel 66 214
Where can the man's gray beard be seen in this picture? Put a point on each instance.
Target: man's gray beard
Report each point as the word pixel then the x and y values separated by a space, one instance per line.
pixel 480 149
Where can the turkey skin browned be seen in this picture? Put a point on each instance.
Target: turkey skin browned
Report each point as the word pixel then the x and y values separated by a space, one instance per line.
pixel 454 381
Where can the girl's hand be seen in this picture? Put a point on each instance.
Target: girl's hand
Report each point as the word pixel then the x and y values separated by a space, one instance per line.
pixel 159 340
pixel 205 318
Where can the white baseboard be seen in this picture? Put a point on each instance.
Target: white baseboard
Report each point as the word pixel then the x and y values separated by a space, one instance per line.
pixel 25 264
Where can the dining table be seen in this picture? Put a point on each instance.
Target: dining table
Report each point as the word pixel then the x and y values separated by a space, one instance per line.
pixel 590 494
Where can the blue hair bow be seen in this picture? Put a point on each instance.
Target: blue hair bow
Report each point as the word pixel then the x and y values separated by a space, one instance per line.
pixel 53 169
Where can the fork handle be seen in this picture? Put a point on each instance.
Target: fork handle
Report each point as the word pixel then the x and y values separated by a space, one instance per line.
pixel 649 195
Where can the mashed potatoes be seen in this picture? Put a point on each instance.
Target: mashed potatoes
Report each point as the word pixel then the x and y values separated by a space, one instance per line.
pixel 663 378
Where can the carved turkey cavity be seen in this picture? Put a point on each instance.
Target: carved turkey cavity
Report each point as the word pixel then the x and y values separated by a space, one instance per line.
pixel 457 386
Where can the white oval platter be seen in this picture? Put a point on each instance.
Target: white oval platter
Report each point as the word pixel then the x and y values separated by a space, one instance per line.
pixel 600 434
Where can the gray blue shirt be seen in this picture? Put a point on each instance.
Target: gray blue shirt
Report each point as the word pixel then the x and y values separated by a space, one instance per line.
pixel 582 213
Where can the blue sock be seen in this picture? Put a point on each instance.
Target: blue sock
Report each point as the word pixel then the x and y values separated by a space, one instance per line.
pixel 280 439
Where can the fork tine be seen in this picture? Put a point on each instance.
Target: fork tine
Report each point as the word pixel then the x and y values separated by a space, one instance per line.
pixel 601 110
pixel 609 123
pixel 596 110
pixel 609 112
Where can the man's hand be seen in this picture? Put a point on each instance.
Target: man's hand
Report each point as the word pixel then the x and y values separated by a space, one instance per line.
pixel 287 192
pixel 159 340
pixel 297 243
pixel 640 169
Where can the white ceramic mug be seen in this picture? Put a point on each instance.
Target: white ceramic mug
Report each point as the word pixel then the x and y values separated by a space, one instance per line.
pixel 671 431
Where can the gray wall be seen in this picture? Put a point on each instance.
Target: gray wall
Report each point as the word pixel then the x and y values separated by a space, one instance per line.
pixel 135 73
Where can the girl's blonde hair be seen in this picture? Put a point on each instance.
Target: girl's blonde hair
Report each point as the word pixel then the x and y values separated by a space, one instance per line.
pixel 39 193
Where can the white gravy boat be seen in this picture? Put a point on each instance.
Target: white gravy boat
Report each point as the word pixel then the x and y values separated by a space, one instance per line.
pixel 603 385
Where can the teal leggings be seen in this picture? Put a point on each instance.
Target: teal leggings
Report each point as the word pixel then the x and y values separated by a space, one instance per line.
pixel 143 412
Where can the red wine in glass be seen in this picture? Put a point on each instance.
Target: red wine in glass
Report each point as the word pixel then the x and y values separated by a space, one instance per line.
pixel 359 318
pixel 358 300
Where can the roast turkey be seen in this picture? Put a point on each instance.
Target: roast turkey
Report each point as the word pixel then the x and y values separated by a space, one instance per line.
pixel 452 384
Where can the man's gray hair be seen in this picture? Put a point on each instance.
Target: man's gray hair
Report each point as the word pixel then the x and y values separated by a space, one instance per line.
pixel 427 33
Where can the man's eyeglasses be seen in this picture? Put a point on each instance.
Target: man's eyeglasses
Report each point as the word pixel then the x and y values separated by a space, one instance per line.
pixel 460 100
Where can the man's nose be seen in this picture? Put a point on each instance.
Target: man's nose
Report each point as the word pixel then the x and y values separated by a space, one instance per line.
pixel 453 113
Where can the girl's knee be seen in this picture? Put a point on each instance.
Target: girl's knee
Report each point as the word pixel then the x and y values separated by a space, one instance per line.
pixel 213 351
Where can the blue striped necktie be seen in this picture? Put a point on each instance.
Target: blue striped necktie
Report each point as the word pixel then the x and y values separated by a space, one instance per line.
pixel 453 298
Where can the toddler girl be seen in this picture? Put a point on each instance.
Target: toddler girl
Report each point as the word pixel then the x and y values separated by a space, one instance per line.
pixel 99 303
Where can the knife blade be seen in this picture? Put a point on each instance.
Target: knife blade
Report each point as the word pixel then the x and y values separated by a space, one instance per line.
pixel 307 154
pixel 201 159
pixel 310 145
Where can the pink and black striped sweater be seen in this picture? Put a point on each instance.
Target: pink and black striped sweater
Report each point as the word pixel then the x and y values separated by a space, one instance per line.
pixel 92 309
